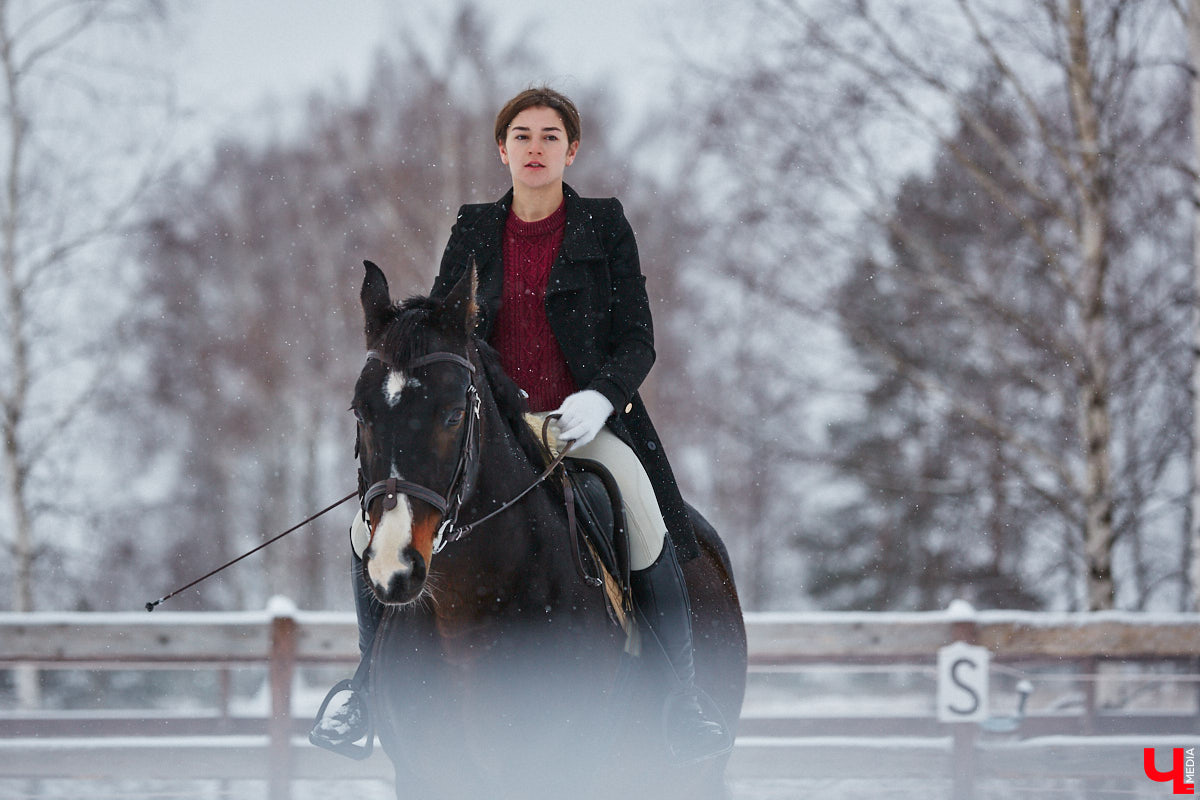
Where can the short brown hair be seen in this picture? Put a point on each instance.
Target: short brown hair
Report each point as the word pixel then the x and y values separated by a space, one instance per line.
pixel 540 97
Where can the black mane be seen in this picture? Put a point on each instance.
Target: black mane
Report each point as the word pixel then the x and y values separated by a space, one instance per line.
pixel 509 401
pixel 410 329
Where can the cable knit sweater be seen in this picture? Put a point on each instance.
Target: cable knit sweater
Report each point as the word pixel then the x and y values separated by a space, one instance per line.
pixel 522 335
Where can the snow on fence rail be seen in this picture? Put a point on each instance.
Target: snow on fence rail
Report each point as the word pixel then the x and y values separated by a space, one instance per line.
pixel 1085 649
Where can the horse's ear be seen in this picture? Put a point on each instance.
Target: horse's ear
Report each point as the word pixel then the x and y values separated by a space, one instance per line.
pixel 376 302
pixel 460 307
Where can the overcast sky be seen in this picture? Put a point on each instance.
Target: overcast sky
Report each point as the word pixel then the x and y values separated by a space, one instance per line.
pixel 235 53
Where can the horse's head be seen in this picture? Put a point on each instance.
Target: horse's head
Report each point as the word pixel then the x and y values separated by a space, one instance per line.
pixel 417 409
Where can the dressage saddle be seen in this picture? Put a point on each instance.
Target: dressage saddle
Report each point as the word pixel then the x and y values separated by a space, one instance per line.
pixel 598 517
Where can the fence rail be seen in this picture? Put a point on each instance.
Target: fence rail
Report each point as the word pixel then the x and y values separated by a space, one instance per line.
pixel 1085 740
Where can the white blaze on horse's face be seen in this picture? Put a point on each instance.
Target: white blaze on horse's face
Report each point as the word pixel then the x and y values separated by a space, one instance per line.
pixel 388 555
pixel 400 544
pixel 395 385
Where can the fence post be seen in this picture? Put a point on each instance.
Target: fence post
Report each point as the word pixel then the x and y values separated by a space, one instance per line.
pixel 225 698
pixel 1091 688
pixel 281 669
pixel 963 628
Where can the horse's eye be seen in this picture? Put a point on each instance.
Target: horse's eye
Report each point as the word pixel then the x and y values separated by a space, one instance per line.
pixel 358 414
pixel 455 417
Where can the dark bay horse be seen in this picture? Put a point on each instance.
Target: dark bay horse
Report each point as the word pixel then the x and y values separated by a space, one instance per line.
pixel 496 672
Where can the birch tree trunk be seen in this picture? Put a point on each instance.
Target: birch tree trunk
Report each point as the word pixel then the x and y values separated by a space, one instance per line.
pixel 16 398
pixel 52 80
pixel 1093 235
pixel 1193 29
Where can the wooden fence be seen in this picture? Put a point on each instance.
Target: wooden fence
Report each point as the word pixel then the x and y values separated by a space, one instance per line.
pixel 1092 652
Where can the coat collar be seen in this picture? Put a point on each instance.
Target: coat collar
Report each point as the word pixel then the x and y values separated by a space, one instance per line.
pixel 580 243
pixel 579 237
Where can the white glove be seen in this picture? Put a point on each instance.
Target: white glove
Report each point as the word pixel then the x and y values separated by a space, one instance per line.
pixel 583 415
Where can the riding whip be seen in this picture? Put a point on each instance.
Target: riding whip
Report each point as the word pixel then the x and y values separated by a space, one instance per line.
pixel 151 605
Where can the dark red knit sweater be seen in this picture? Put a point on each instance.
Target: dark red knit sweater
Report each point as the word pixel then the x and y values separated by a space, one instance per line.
pixel 521 334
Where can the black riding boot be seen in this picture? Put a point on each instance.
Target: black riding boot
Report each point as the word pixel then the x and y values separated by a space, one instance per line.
pixel 343 719
pixel 693 727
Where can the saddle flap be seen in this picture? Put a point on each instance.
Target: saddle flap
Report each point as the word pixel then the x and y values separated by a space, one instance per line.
pixel 600 514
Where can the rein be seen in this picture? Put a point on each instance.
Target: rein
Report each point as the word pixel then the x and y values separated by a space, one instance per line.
pixel 448 504
pixel 460 531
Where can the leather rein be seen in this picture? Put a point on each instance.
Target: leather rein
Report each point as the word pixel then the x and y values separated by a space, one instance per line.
pixel 449 503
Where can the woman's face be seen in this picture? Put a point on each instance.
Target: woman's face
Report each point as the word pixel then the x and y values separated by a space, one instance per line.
pixel 536 148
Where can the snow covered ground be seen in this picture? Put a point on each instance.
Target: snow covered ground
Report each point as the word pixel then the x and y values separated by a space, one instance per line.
pixel 882 736
pixel 914 767
pixel 741 789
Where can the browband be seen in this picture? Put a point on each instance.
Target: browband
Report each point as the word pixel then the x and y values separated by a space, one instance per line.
pixel 421 361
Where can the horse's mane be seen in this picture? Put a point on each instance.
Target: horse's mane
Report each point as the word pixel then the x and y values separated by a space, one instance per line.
pixel 409 334
pixel 509 401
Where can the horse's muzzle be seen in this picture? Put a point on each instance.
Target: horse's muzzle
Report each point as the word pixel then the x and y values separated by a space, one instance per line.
pixel 396 561
pixel 401 585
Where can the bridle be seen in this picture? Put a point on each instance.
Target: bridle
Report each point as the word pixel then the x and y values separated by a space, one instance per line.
pixel 450 503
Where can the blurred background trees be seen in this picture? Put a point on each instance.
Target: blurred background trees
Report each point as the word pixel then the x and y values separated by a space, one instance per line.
pixel 73 76
pixel 1016 293
pixel 923 284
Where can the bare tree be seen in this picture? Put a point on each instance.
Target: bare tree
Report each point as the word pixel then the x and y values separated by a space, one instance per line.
pixel 1192 22
pixel 70 182
pixel 847 100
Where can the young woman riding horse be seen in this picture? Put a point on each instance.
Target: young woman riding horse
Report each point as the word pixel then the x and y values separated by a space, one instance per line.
pixel 562 298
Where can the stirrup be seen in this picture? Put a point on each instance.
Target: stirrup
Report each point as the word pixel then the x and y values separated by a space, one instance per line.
pixel 674 704
pixel 358 748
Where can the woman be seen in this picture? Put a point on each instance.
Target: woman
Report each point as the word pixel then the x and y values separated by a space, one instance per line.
pixel 562 299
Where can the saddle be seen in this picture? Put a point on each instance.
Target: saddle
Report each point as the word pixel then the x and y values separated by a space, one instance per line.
pixel 597 520
pixel 597 517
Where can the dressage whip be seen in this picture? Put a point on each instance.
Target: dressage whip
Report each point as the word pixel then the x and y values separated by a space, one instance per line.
pixel 151 605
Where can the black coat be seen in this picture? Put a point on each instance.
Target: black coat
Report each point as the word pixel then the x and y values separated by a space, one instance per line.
pixel 597 307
